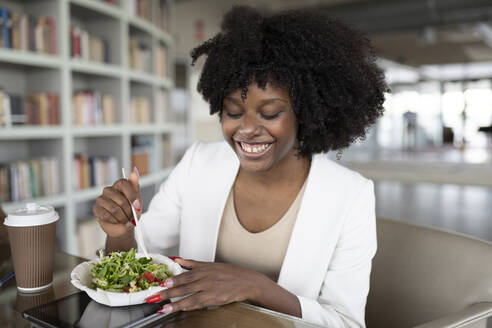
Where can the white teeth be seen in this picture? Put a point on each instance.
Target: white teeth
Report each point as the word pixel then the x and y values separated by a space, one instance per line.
pixel 254 149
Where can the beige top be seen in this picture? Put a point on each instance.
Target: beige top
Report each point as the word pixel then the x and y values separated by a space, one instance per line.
pixel 261 251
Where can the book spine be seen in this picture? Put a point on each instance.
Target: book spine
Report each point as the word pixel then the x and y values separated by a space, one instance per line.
pixel 7 110
pixel 32 36
pixel 4 14
pixel 16 38
pixel 52 36
pixel 39 35
pixel 24 36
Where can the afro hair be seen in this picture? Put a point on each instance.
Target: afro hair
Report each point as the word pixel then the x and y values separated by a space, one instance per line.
pixel 329 69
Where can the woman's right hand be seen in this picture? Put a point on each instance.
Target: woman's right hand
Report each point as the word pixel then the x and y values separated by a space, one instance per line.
pixel 112 209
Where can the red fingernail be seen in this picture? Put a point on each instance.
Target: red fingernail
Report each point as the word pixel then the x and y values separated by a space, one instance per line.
pixel 154 298
pixel 134 223
pixel 165 309
pixel 136 204
pixel 175 257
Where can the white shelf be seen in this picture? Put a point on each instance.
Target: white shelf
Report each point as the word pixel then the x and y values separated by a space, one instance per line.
pixel 31 132
pixel 142 77
pixel 145 181
pixel 97 130
pixel 83 66
pixel 87 194
pixel 65 74
pixel 141 24
pixel 150 28
pixel 164 83
pixel 29 58
pixel 99 6
pixel 55 201
pixel 151 128
pixel 153 178
pixel 119 129
pixel 150 79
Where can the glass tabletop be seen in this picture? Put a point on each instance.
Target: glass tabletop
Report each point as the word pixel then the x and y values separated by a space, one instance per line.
pixel 13 303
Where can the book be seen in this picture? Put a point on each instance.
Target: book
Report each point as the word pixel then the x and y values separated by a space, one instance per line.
pixel 31 34
pixel 25 32
pixel 52 35
pixel 6 25
pixel 140 110
pixel 94 171
pixel 34 109
pixel 7 110
pixel 17 113
pixel 108 109
pixel 162 104
pixel 88 46
pixel 90 237
pixel 75 41
pixel 143 154
pixel 144 9
pixel 167 152
pixel 15 32
pixel 91 107
pixel 140 55
pixel 27 179
pixel 160 63
pixel 162 12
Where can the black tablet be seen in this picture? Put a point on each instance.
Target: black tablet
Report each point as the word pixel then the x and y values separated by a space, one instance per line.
pixel 79 310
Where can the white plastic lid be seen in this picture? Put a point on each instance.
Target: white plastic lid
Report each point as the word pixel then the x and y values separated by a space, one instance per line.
pixel 31 215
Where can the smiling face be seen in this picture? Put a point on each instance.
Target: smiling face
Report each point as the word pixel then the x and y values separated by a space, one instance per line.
pixel 262 128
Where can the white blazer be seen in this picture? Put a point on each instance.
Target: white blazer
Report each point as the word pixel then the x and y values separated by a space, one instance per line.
pixel 328 260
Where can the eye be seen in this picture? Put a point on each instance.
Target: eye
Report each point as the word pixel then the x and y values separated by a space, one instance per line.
pixel 233 116
pixel 270 117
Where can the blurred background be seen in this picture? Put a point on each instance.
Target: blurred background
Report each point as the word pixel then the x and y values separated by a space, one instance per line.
pixel 430 155
pixel 89 86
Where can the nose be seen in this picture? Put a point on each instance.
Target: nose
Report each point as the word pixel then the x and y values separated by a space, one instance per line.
pixel 249 126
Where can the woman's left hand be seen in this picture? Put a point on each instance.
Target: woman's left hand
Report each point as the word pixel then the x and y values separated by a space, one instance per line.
pixel 210 284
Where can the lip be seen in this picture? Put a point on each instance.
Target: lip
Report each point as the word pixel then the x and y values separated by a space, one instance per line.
pixel 253 155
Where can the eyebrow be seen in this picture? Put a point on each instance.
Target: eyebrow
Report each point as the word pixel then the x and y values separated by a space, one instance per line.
pixel 263 102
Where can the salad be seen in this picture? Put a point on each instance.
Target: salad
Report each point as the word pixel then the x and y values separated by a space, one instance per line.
pixel 123 272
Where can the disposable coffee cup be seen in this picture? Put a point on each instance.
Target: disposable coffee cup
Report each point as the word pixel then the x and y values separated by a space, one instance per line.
pixel 32 233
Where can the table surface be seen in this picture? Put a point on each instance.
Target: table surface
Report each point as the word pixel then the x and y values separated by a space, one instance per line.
pixel 237 315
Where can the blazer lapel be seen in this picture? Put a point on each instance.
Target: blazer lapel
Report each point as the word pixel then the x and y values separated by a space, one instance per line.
pixel 311 242
pixel 228 171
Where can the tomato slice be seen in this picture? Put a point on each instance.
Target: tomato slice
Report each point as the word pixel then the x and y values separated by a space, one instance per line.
pixel 149 276
pixel 126 289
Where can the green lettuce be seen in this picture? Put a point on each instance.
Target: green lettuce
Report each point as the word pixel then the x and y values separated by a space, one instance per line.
pixel 123 272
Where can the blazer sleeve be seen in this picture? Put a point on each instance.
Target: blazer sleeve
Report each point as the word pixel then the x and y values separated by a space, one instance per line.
pixel 342 299
pixel 161 223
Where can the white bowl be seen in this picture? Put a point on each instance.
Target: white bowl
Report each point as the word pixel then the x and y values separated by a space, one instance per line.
pixel 82 279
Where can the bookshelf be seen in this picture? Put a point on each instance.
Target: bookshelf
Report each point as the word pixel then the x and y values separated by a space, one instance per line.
pixel 106 70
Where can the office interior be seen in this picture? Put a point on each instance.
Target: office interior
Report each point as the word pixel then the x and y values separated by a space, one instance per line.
pixel 107 84
pixel 429 155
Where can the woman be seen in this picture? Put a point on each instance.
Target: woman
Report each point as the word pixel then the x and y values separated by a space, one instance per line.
pixel 263 217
